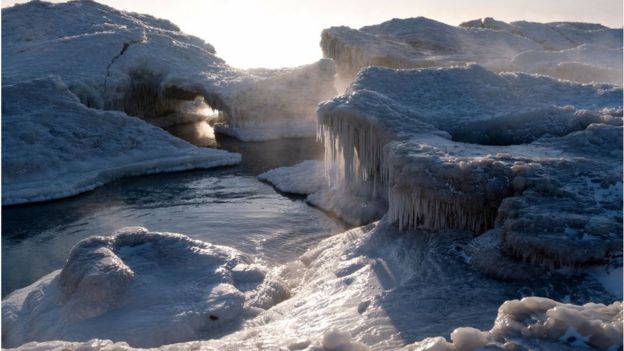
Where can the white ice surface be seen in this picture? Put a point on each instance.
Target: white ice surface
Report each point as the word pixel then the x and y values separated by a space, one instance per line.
pixel 370 287
pixel 541 323
pixel 304 178
pixel 145 66
pixel 422 42
pixel 53 146
pixel 510 150
pixel 144 288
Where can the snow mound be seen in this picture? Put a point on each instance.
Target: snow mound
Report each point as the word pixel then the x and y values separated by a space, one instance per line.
pixel 539 322
pixel 304 178
pixel 54 146
pixel 422 42
pixel 149 69
pixel 376 287
pixel 507 151
pixel 145 288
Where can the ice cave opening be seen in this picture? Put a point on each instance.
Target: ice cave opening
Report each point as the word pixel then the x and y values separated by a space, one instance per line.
pixel 145 97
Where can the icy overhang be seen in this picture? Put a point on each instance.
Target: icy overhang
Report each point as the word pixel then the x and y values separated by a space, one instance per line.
pixel 422 140
pixel 145 66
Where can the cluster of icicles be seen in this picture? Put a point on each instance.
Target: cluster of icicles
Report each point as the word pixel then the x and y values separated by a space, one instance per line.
pixel 354 159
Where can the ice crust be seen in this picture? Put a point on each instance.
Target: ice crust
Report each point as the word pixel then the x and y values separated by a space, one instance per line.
pixel 309 178
pixel 579 51
pixel 53 146
pixel 542 323
pixel 372 287
pixel 146 67
pixel 304 178
pixel 469 149
pixel 143 288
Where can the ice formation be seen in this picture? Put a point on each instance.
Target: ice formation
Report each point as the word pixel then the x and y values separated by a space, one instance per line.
pixel 536 159
pixel 309 178
pixel 304 178
pixel 53 146
pixel 578 51
pixel 146 67
pixel 370 287
pixel 143 288
pixel 539 323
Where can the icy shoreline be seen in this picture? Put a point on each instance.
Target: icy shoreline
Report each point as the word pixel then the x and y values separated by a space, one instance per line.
pixel 54 150
pixel 354 288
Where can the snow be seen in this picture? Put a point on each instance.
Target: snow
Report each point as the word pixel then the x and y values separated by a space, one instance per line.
pixel 508 151
pixel 370 287
pixel 304 178
pixel 145 288
pixel 556 49
pixel 148 68
pixel 54 146
pixel 539 321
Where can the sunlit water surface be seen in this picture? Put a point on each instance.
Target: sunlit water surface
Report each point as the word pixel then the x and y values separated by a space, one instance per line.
pixel 225 206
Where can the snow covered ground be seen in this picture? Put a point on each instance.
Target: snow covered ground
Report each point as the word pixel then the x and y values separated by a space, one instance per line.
pixel 578 51
pixel 370 287
pixel 536 159
pixel 145 288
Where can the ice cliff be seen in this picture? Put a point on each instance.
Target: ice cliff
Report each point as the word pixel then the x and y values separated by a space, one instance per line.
pixel 536 160
pixel 146 67
pixel 80 80
pixel 578 51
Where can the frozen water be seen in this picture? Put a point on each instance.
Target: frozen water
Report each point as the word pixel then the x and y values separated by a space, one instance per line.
pixel 144 288
pixel 148 68
pixel 507 151
pixel 376 287
pixel 54 146
pixel 540 322
pixel 304 178
pixel 225 207
pixel 556 49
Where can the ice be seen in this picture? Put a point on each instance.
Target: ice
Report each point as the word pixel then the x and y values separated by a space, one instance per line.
pixel 54 146
pixel 558 48
pixel 304 178
pixel 351 208
pixel 535 321
pixel 146 67
pixel 370 287
pixel 143 288
pixel 527 155
pixel 586 63
pixel 309 178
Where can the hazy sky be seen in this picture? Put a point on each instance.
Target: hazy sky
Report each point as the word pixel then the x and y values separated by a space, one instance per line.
pixel 277 33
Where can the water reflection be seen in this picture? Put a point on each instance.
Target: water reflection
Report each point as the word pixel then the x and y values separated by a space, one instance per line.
pixel 258 157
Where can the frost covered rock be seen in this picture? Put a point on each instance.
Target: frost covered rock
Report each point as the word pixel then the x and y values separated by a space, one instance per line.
pixel 143 288
pixel 539 322
pixel 54 146
pixel 146 67
pixel 422 42
pixel 536 158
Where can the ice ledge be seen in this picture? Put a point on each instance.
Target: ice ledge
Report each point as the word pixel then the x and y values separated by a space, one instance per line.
pixel 54 146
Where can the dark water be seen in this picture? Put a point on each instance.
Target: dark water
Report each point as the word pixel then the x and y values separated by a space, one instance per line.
pixel 225 206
